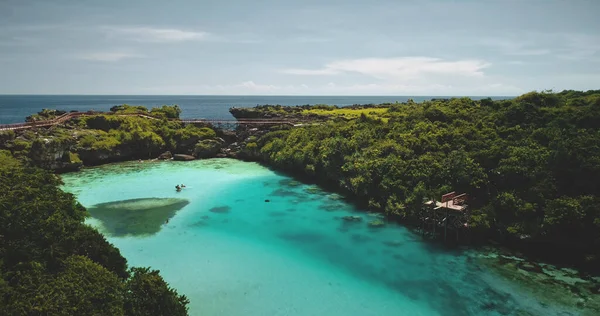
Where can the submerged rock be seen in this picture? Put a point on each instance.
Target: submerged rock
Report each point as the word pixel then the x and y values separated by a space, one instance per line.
pixel 182 157
pixel 393 243
pixel 315 190
pixel 289 182
pixel 284 192
pixel 376 223
pixel 220 209
pixel 530 266
pixel 335 197
pixel 352 218
pixel 360 238
pixel 136 216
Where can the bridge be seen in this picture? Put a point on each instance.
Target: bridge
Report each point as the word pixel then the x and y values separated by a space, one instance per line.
pixel 213 122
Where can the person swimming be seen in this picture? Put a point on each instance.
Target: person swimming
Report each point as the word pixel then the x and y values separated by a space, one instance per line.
pixel 177 188
pixel 183 185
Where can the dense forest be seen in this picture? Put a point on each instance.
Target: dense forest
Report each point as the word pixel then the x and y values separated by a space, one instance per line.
pixel 51 263
pixel 530 165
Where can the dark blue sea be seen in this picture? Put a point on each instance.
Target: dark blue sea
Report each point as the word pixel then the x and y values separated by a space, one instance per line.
pixel 14 108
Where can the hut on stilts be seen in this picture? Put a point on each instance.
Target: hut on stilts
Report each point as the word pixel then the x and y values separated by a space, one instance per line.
pixel 451 213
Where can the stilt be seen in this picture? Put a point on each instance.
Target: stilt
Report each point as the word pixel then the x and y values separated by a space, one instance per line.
pixel 446 225
pixel 434 221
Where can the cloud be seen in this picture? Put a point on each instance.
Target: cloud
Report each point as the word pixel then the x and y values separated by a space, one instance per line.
pixel 109 56
pixel 399 68
pixel 149 34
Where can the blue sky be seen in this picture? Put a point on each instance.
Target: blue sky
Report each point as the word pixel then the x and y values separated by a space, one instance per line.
pixel 258 47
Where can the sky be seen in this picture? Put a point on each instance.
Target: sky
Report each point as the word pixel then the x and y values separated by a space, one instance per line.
pixel 307 47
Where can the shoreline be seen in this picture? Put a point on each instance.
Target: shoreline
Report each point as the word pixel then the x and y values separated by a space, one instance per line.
pixel 506 265
pixel 236 145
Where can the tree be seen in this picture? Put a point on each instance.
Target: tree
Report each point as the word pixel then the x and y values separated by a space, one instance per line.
pixel 146 293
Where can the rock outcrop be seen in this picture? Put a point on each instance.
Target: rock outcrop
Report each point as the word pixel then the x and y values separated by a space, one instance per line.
pixel 93 157
pixel 183 157
pixel 208 148
pixel 165 156
pixel 55 154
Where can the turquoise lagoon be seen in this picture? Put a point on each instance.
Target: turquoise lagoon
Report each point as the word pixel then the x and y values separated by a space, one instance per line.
pixel 233 253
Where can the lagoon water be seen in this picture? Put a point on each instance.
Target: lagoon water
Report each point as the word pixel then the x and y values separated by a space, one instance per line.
pixel 233 253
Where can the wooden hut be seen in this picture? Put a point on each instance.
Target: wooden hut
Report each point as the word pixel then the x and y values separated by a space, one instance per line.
pixel 451 212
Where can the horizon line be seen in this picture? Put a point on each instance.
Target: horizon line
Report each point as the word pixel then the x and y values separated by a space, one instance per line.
pixel 254 95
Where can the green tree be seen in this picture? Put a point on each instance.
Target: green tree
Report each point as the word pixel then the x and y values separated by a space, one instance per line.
pixel 148 294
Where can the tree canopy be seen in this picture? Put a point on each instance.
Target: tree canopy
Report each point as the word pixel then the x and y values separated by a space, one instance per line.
pixel 531 164
pixel 53 264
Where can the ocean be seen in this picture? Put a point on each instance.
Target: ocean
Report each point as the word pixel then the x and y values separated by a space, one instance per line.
pixel 14 108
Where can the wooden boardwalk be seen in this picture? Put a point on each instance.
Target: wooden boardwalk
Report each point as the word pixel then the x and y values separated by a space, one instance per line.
pixel 217 123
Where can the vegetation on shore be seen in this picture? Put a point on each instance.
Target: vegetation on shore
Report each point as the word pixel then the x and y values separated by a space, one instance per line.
pixel 51 263
pixel 530 165
pixel 107 137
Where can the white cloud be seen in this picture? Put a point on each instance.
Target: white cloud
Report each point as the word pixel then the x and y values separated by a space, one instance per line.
pixel 109 56
pixel 399 68
pixel 149 34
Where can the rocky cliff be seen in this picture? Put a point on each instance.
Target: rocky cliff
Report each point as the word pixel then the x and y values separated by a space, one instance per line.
pixel 55 153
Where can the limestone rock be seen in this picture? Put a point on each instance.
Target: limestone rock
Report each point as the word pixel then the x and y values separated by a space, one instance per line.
pixel 182 157
pixel 166 155
pixel 55 154
pixel 208 148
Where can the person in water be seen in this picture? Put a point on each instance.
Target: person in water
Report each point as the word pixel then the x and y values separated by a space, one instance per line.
pixel 183 185
pixel 178 188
